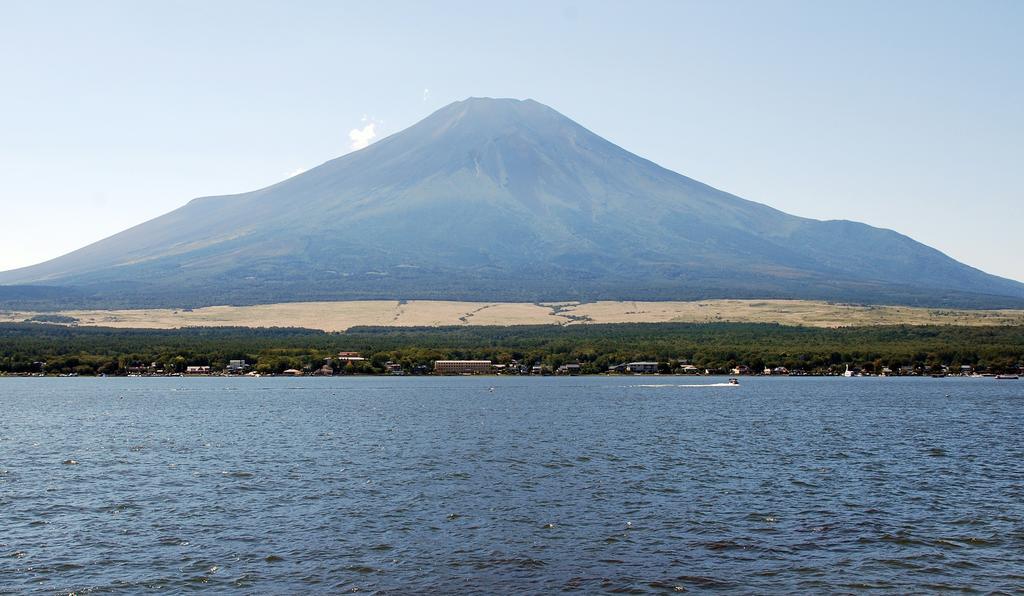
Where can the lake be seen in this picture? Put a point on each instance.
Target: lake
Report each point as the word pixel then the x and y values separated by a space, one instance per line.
pixel 593 484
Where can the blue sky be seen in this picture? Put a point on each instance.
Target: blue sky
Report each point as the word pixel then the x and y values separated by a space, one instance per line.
pixel 907 115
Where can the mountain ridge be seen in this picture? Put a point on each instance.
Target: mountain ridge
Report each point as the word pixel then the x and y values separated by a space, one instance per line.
pixel 502 199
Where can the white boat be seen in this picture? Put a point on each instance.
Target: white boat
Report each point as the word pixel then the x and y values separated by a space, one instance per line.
pixel 1007 377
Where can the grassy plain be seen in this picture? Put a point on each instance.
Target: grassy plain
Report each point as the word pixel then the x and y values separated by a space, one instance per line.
pixel 339 316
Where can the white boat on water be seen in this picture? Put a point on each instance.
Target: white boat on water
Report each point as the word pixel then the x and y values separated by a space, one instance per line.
pixel 1007 377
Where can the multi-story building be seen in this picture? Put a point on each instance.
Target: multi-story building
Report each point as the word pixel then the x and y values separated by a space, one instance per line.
pixel 462 367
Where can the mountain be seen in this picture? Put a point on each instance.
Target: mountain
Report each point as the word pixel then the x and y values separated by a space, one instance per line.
pixel 498 199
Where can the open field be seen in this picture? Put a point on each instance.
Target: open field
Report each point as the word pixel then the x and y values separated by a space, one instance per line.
pixel 339 316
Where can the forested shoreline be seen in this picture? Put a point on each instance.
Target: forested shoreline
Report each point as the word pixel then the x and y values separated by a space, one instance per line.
pixel 56 349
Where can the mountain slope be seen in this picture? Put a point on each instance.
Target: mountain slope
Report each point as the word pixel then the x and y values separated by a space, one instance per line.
pixel 502 199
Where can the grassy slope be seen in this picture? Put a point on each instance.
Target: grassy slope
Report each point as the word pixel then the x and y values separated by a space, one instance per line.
pixel 339 316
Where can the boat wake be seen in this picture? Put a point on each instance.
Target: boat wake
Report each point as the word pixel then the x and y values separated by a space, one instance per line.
pixel 693 386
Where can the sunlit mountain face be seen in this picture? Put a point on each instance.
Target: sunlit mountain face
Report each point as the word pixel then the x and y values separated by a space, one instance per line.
pixel 498 199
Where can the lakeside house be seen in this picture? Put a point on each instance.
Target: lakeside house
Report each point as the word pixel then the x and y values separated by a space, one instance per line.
pixel 139 369
pixel 350 357
pixel 568 369
pixel 197 370
pixel 462 367
pixel 636 368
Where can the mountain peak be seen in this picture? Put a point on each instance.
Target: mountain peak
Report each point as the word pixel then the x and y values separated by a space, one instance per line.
pixel 493 104
pixel 484 114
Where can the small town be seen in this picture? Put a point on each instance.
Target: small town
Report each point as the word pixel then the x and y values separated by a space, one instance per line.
pixel 351 363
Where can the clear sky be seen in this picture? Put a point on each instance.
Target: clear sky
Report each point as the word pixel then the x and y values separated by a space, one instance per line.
pixel 907 115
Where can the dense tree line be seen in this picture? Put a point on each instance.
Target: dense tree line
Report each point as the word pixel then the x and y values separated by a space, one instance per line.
pixel 56 349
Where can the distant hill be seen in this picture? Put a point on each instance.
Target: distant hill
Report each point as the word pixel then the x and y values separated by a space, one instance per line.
pixel 504 200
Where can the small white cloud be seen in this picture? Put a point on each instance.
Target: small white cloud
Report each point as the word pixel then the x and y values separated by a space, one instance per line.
pixel 361 137
pixel 426 94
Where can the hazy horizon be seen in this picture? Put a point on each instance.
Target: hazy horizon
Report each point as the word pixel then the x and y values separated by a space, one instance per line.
pixel 902 117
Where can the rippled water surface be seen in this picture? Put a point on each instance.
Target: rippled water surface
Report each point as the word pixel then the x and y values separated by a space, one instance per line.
pixel 404 485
